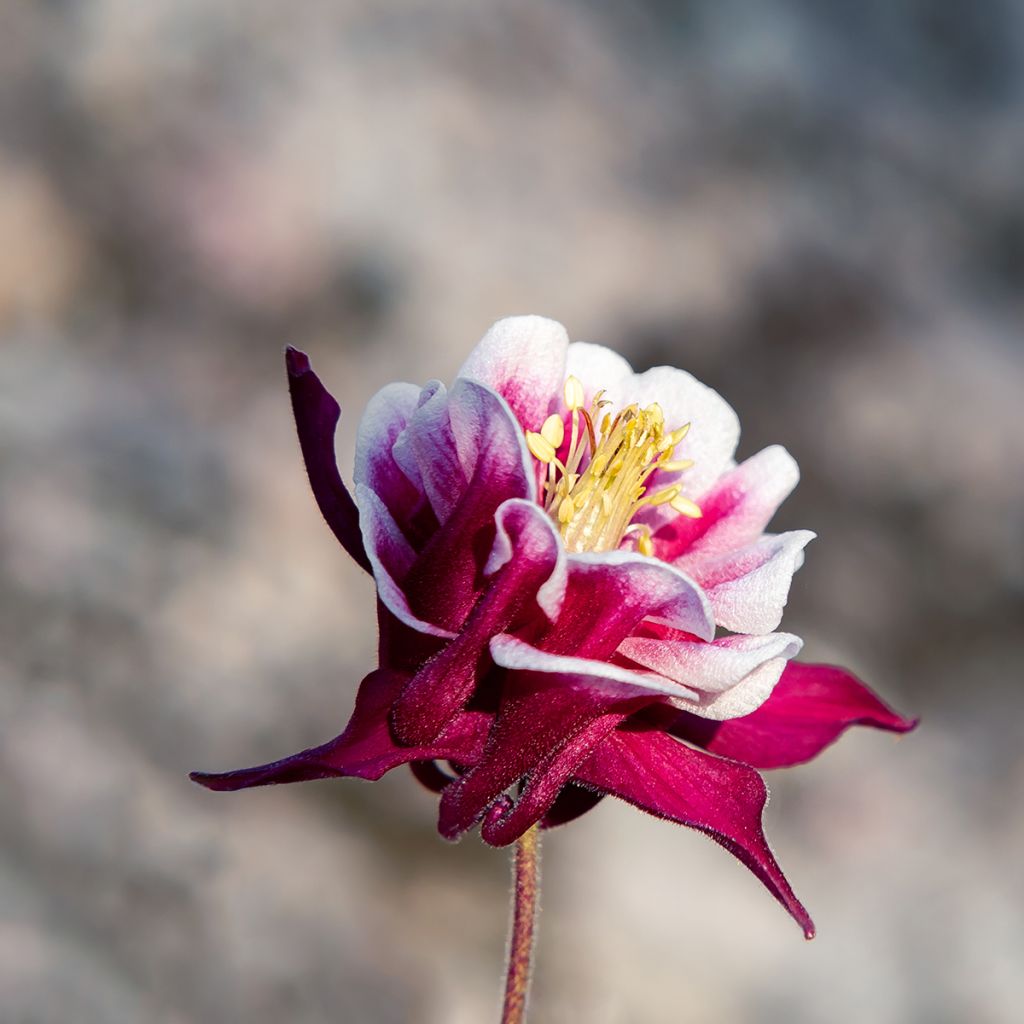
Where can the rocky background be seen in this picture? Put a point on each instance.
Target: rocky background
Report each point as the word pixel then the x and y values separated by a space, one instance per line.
pixel 814 206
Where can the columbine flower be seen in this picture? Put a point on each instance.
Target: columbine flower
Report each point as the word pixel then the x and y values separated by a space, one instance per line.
pixel 555 541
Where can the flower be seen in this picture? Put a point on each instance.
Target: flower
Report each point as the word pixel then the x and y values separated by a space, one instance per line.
pixel 555 542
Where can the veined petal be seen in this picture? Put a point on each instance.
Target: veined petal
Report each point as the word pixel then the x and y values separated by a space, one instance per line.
pixel 467 451
pixel 522 358
pixel 365 749
pixel 723 799
pixel 735 511
pixel 748 589
pixel 391 557
pixel 609 593
pixel 316 420
pixel 602 677
pixel 386 417
pixel 709 667
pixel 526 556
pixel 809 708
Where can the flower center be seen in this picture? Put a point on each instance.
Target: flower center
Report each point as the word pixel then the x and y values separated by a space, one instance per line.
pixel 594 504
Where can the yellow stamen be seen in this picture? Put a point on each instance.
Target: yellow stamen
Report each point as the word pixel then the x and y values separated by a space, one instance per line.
pixel 685 507
pixel 675 465
pixel 540 447
pixel 595 493
pixel 573 393
pixel 553 431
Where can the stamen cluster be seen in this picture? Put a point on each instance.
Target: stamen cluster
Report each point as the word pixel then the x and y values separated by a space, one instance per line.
pixel 594 500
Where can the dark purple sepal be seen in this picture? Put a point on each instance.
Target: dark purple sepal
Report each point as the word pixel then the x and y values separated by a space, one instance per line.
pixel 810 707
pixel 366 749
pixel 723 799
pixel 571 803
pixel 316 419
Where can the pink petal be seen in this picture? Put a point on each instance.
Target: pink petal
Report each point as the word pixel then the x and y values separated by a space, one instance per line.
pixel 529 553
pixel 384 420
pixel 748 589
pixel 736 510
pixel 611 592
pixel 365 749
pixel 392 558
pixel 810 707
pixel 523 359
pixel 723 799
pixel 316 419
pixel 469 454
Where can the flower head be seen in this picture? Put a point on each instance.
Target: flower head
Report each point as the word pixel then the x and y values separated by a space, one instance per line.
pixel 556 542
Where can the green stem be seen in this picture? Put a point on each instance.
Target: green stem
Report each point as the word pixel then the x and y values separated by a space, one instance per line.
pixel 524 914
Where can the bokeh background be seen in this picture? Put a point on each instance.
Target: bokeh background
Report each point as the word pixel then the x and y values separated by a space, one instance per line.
pixel 817 207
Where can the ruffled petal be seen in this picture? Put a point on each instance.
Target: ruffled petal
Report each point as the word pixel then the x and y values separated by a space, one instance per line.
pixel 467 452
pixel 723 799
pixel 391 557
pixel 316 419
pixel 525 557
pixel 365 749
pixel 611 680
pixel 736 510
pixel 523 359
pixel 609 593
pixel 748 589
pixel 733 674
pixel 809 708
pixel 386 416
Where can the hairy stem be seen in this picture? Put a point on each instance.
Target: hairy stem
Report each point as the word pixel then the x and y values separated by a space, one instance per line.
pixel 524 914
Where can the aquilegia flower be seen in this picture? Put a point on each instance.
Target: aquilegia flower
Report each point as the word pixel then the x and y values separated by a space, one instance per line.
pixel 577 598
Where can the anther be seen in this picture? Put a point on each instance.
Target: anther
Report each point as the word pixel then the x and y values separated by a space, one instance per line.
pixel 685 507
pixel 573 393
pixel 553 431
pixel 540 447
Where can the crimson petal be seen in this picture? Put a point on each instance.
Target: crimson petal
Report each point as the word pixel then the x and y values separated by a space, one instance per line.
pixel 546 726
pixel 316 419
pixel 723 799
pixel 365 749
pixel 810 707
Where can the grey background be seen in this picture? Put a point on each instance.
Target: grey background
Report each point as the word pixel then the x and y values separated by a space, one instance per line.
pixel 815 207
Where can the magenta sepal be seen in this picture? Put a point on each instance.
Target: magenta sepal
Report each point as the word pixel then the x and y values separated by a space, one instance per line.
pixel 366 749
pixel 810 707
pixel 723 799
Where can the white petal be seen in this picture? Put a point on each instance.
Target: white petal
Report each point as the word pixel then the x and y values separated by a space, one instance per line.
pixel 748 589
pixel 511 653
pixel 715 431
pixel 523 359
pixel 599 369
pixel 740 505
pixel 713 667
pixel 747 696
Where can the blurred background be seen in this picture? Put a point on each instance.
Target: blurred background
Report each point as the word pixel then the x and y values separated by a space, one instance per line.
pixel 816 207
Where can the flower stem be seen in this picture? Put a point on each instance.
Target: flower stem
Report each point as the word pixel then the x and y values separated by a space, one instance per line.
pixel 524 914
